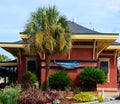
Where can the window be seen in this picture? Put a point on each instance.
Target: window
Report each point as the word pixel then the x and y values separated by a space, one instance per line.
pixel 104 65
pixel 31 64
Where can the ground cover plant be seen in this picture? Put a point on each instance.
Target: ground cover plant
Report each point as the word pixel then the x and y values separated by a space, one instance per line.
pixel 87 97
pixel 33 95
pixel 36 96
pixel 9 95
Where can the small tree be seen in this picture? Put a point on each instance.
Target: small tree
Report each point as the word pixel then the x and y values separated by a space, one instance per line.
pixel 28 80
pixel 49 33
pixel 90 77
pixel 4 58
pixel 59 80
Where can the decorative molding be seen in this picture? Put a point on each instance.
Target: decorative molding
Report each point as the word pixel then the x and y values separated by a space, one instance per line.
pixel 82 46
pixel 9 64
pixel 94 47
pixel 94 36
pixel 108 89
pixel 105 54
pixel 8 45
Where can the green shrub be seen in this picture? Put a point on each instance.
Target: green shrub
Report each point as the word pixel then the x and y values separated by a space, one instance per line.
pixel 87 97
pixel 91 76
pixel 28 79
pixel 59 80
pixel 9 95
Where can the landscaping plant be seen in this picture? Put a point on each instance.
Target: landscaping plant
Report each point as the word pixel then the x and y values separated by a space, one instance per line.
pixel 9 95
pixel 59 80
pixel 90 77
pixel 36 96
pixel 28 80
pixel 87 97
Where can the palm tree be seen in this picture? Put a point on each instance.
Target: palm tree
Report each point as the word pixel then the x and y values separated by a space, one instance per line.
pixel 49 33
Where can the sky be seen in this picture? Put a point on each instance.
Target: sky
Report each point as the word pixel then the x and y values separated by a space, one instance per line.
pixel 101 15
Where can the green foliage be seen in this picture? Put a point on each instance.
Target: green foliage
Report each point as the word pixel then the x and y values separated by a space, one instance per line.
pixel 87 97
pixel 56 101
pixel 9 95
pixel 59 80
pixel 47 29
pixel 49 33
pixel 4 58
pixel 28 80
pixel 1 102
pixel 91 76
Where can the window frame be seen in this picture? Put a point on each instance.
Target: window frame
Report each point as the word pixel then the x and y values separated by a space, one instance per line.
pixel 106 60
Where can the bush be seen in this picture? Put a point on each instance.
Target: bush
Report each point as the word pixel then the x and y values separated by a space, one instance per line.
pixel 59 80
pixel 9 95
pixel 36 96
pixel 87 97
pixel 91 76
pixel 28 79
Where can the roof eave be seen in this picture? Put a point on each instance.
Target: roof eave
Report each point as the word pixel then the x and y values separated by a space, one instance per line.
pixel 94 36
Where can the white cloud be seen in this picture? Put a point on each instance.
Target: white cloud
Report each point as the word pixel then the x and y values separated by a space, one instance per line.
pixel 114 5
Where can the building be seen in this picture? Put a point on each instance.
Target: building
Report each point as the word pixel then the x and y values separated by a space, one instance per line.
pixel 90 48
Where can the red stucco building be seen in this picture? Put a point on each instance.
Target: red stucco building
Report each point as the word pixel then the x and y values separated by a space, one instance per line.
pixel 90 48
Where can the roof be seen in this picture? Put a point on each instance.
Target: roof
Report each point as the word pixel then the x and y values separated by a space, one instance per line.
pixel 115 43
pixel 76 29
pixel 16 42
pixel 79 33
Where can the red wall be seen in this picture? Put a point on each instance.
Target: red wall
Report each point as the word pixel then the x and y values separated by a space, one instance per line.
pixel 81 53
pixel 113 73
pixel 76 54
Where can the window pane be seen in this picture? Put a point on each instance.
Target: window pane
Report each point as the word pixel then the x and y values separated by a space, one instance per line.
pixel 31 65
pixel 104 66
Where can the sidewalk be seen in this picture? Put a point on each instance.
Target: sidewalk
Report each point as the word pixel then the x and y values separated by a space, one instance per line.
pixel 109 98
pixel 109 94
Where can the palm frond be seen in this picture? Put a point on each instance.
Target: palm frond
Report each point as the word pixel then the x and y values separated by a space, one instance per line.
pixel 62 42
pixel 39 40
pixel 30 28
pixel 56 31
pixel 52 14
pixel 49 43
pixel 64 23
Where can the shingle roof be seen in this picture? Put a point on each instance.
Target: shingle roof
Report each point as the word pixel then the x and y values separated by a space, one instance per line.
pixel 78 29
pixel 115 43
pixel 16 42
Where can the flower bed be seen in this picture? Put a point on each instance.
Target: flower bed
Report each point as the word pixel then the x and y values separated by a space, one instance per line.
pixel 37 96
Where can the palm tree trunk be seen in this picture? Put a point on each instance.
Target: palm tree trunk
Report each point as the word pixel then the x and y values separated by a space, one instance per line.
pixel 47 61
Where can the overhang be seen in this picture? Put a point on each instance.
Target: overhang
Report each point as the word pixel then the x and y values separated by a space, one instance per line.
pixel 115 48
pixel 103 40
pixel 13 48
